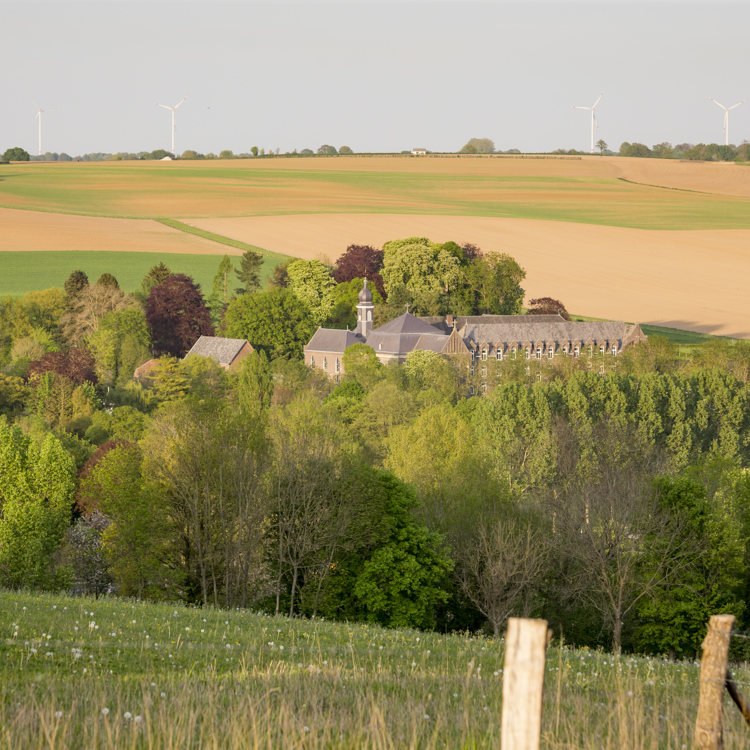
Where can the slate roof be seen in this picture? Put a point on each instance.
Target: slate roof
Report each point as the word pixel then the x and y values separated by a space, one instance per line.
pixel 532 332
pixel 221 350
pixel 332 340
pixel 441 321
pixel 407 323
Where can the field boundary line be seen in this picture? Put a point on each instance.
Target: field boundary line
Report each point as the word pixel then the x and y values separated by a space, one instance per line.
pixel 218 238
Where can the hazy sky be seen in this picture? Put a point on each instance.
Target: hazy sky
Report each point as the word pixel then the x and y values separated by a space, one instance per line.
pixel 377 76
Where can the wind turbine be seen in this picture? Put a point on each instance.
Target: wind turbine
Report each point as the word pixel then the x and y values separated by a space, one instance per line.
pixel 39 111
pixel 593 118
pixel 726 118
pixel 172 110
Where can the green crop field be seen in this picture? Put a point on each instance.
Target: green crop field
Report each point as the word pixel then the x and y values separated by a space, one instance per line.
pixel 21 272
pixel 242 188
pixel 85 673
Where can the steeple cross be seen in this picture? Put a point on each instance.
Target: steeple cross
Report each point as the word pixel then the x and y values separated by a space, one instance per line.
pixel 407 307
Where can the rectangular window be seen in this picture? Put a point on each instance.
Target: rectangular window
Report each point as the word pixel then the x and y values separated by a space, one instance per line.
pixel 614 350
pixel 499 354
pixel 472 355
pixel 565 351
pixel 472 369
pixel 577 352
pixel 471 390
pixel 528 354
pixel 538 353
pixel 484 387
pixel 484 354
pixel 551 352
pixel 601 350
pixel 484 372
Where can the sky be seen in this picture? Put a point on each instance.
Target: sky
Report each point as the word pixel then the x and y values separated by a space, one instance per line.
pixel 370 74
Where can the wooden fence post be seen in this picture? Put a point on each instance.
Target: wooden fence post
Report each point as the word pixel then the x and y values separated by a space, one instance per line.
pixel 709 725
pixel 523 683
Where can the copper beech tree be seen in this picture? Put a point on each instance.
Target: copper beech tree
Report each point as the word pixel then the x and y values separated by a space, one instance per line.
pixel 177 316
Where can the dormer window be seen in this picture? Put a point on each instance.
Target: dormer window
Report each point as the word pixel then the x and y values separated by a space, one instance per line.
pixel 528 354
pixel 484 354
pixel 550 352
pixel 499 354
pixel 538 352
pixel 577 351
pixel 614 350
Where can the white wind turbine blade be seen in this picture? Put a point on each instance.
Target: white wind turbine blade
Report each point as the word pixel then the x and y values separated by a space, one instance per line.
pixel 736 105
pixel 178 103
pixel 717 103
pixel 598 100
pixel 163 105
pixel 573 106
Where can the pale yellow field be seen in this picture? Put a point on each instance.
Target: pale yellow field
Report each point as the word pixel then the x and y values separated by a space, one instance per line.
pixel 694 280
pixel 34 230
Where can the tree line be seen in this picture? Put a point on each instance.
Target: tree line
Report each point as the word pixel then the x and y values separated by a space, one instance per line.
pixel 606 494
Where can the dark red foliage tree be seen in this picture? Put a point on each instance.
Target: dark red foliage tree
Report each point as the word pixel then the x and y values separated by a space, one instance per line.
pixel 359 262
pixel 76 363
pixel 471 252
pixel 547 306
pixel 176 316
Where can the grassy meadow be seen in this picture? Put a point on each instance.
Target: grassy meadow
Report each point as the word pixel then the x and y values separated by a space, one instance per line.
pixel 21 272
pixel 296 186
pixel 108 673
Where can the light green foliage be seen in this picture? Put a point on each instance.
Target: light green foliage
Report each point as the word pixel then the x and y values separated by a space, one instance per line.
pixel 361 364
pixel 35 498
pixel 253 385
pixel 430 371
pixel 311 282
pixel 222 290
pixel 449 466
pixel 274 321
pixel 495 279
pixel 206 379
pixel 516 423
pixel 421 268
pixel 346 297
pixel 133 542
pixel 36 314
pixel 122 423
pixel 12 395
pixel 170 382
pixel 673 620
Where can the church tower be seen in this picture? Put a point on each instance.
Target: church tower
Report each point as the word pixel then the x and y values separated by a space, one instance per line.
pixel 365 310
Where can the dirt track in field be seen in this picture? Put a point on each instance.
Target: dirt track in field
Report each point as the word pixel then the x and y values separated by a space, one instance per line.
pixel 34 230
pixel 694 280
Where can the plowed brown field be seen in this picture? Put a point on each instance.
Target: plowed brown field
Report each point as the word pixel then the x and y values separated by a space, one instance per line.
pixel 694 280
pixel 33 230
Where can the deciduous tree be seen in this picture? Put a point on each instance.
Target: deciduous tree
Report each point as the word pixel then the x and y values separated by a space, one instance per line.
pixel 177 316
pixel 360 262
pixel 274 321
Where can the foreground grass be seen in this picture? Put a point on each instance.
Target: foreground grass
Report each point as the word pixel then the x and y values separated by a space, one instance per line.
pixel 247 188
pixel 171 677
pixel 21 272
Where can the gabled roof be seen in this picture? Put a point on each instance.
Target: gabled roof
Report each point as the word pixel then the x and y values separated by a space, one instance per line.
pixel 407 323
pixel 221 350
pixel 531 330
pixel 332 340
